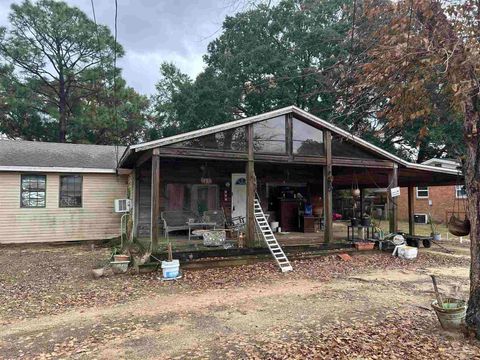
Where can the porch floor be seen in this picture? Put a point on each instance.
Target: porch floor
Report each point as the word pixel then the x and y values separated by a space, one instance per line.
pixel 180 240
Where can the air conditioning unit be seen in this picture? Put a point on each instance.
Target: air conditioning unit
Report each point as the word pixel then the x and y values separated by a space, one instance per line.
pixel 123 205
pixel 420 218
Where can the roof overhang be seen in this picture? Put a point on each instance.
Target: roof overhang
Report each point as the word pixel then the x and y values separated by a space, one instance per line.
pixel 45 169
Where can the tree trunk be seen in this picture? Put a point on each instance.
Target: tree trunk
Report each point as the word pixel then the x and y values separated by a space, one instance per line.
pixel 472 182
pixel 62 110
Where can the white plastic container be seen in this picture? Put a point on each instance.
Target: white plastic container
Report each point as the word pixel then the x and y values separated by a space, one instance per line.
pixel 171 269
pixel 407 252
pixel 274 226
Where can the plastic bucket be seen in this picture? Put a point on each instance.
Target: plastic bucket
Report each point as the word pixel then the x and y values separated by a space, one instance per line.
pixel 452 315
pixel 407 252
pixel 170 269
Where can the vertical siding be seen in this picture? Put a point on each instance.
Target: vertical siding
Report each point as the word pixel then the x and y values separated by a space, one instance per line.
pixel 96 219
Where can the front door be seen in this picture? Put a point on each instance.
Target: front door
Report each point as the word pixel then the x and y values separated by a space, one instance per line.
pixel 239 195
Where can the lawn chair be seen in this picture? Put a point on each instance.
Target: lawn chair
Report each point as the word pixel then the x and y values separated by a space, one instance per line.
pixel 236 225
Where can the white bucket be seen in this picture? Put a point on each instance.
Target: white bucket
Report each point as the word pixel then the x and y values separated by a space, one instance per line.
pixel 274 226
pixel 407 252
pixel 171 269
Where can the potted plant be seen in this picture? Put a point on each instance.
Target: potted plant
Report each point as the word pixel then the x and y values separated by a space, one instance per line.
pixel 366 220
pixel 119 256
pixel 435 234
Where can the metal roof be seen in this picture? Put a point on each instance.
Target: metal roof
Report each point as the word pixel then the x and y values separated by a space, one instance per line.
pixel 271 114
pixel 20 155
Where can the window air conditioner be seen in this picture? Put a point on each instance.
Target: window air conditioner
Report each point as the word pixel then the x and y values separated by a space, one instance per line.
pixel 123 205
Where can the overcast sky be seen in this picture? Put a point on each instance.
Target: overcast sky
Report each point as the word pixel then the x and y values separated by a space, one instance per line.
pixel 153 31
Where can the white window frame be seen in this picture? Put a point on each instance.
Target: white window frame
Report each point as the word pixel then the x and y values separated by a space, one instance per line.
pixel 457 189
pixel 422 196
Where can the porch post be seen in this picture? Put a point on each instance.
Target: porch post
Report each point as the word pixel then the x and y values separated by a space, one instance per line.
pixel 155 199
pixel 251 186
pixel 393 213
pixel 411 210
pixel 327 188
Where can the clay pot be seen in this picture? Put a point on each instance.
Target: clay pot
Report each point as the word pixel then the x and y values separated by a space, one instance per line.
pixel 361 246
pixel 121 257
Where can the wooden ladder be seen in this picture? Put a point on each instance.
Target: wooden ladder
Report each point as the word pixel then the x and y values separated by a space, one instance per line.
pixel 270 238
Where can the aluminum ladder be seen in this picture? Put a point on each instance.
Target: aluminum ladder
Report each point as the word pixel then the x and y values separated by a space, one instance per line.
pixel 270 238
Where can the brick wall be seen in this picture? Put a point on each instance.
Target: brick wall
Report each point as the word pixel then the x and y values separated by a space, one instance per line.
pixel 442 199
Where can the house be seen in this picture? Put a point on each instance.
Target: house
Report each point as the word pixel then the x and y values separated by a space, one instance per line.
pixel 435 202
pixel 286 163
pixel 54 192
pixel 288 159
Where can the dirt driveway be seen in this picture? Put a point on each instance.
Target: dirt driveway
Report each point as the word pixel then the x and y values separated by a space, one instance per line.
pixel 373 306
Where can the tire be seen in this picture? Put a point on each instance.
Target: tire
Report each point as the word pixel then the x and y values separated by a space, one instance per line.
pixel 413 242
pixel 426 243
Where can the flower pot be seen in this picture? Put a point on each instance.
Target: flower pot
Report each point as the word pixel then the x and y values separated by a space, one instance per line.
pixel 364 245
pixel 355 221
pixel 119 267
pixel 437 237
pixel 356 193
pixel 121 257
pixel 366 221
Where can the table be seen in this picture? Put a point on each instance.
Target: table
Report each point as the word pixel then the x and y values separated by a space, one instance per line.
pixel 358 227
pixel 201 225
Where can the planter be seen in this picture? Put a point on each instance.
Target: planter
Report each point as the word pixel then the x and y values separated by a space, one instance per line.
pixel 356 193
pixel 119 267
pixel 121 257
pixel 355 221
pixel 452 314
pixel 437 237
pixel 361 246
pixel 366 221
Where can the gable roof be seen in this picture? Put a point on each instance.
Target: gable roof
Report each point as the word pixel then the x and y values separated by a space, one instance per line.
pixel 20 155
pixel 271 114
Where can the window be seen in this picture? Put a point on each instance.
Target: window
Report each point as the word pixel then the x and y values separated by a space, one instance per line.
pixel 460 192
pixel 269 136
pixel 33 190
pixel 307 140
pixel 228 140
pixel 422 192
pixel 70 191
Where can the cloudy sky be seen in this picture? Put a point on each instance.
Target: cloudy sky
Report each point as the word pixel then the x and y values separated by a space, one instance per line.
pixel 152 31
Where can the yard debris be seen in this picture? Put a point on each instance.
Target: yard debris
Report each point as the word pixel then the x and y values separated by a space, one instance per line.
pixel 62 281
pixel 344 257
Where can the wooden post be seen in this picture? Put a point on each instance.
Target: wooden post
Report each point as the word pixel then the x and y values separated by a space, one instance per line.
pixel 411 210
pixel 361 203
pixel 327 188
pixel 393 213
pixel 251 187
pixel 155 199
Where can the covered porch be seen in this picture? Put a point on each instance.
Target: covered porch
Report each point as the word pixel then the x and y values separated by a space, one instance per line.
pixel 294 164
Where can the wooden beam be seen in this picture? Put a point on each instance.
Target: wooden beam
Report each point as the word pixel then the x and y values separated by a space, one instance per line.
pixel 327 188
pixel 411 210
pixel 251 187
pixel 203 154
pixel 155 199
pixel 143 158
pixel 393 211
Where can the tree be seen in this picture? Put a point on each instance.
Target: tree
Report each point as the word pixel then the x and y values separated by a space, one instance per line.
pixel 425 43
pixel 54 46
pixel 267 57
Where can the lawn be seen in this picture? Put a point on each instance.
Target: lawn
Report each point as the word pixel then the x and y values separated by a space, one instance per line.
pixel 373 306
